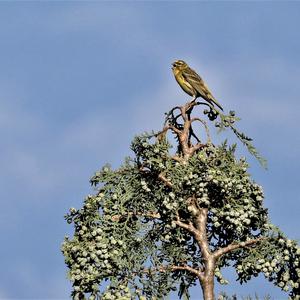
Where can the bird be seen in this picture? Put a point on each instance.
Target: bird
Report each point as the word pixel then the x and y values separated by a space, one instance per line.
pixel 192 83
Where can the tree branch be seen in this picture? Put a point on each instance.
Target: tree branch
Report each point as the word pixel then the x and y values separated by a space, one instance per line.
pixel 205 126
pixel 198 146
pixel 165 180
pixel 153 215
pixel 189 269
pixel 168 127
pixel 189 227
pixel 176 158
pixel 171 112
pixel 184 131
pixel 235 246
pixel 201 237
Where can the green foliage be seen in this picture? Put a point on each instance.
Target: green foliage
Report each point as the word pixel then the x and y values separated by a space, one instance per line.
pixel 126 238
pixel 229 121
pixel 278 258
pixel 224 296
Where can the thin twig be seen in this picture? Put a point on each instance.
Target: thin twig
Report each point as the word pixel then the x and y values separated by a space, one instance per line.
pixel 117 218
pixel 205 126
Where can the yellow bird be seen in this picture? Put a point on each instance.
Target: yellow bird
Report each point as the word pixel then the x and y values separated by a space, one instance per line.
pixel 192 83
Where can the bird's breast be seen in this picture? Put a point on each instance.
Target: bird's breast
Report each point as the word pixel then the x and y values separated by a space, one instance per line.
pixel 185 85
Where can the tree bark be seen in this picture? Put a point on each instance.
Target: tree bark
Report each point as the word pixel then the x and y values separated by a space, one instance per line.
pixel 208 289
pixel 207 281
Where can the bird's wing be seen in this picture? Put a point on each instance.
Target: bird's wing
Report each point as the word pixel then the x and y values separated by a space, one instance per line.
pixel 197 82
pixel 199 85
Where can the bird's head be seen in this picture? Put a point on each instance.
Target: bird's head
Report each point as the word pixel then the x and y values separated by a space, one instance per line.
pixel 180 64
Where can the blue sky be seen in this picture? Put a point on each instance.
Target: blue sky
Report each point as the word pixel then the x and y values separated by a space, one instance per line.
pixel 79 79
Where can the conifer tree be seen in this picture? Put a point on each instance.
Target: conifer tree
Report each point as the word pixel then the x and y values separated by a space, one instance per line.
pixel 175 215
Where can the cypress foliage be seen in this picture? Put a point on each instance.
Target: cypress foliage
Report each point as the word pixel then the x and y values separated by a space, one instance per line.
pixel 172 217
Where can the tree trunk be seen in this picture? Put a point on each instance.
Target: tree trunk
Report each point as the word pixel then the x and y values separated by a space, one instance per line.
pixel 207 282
pixel 207 286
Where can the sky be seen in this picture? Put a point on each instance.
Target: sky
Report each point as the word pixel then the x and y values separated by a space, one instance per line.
pixel 79 79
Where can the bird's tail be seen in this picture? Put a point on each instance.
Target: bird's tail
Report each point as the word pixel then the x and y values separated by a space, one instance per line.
pixel 214 101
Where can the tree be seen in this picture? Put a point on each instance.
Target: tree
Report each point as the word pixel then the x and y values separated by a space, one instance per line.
pixel 175 215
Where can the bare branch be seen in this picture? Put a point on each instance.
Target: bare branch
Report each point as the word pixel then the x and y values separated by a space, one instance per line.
pixel 171 112
pixel 235 246
pixel 166 128
pixel 192 134
pixel 189 227
pixel 165 180
pixel 198 146
pixel 177 158
pixel 184 131
pixel 189 269
pixel 205 126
